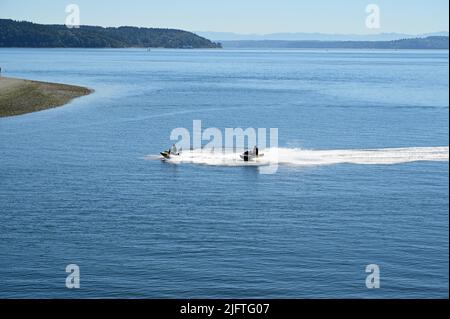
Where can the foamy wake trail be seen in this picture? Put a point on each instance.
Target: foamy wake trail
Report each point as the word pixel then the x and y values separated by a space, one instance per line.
pixel 302 157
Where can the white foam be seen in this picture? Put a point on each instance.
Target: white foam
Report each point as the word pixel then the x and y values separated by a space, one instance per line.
pixel 303 157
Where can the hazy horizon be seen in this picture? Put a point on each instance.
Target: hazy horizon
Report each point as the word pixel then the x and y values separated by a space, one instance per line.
pixel 302 36
pixel 293 35
pixel 252 17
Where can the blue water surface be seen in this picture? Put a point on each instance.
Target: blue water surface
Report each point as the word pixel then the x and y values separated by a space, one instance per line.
pixel 76 188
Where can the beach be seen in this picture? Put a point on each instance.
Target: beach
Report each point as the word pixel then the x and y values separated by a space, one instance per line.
pixel 18 96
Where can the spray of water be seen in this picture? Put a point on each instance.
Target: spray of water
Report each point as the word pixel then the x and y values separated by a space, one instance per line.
pixel 303 157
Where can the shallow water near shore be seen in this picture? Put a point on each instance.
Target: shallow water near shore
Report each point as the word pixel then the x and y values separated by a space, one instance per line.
pixel 364 178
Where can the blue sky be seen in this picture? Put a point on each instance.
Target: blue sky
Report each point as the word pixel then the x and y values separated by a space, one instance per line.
pixel 241 16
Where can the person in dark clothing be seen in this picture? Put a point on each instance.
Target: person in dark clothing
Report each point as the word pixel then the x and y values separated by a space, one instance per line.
pixel 255 150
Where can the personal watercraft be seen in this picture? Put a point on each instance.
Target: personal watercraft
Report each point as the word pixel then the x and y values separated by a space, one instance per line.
pixel 168 154
pixel 249 156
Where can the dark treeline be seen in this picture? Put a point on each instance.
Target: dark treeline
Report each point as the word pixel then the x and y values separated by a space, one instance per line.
pixel 27 34
pixel 434 42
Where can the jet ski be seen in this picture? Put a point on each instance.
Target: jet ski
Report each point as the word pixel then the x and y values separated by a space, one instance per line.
pixel 249 156
pixel 168 154
pixel 165 154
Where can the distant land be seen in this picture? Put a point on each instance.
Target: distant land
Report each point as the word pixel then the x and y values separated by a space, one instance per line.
pixel 303 36
pixel 433 42
pixel 27 34
pixel 32 35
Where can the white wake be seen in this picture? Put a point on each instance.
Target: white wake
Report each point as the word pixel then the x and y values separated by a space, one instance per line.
pixel 303 157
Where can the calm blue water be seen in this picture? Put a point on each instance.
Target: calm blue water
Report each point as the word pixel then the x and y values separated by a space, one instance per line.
pixel 75 186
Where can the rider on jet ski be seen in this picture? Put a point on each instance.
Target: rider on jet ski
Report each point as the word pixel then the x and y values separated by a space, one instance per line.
pixel 255 150
pixel 249 155
pixel 173 150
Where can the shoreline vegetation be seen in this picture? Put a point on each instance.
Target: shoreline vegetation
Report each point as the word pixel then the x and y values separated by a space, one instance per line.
pixel 25 34
pixel 18 96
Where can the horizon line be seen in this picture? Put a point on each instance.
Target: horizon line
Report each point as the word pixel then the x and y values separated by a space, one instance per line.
pixel 320 33
pixel 243 33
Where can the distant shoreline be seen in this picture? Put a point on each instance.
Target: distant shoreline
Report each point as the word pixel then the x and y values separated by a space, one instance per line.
pixel 18 96
pixel 28 34
pixel 428 43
